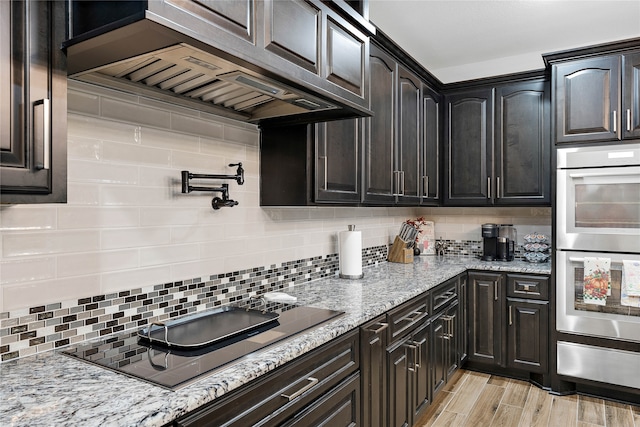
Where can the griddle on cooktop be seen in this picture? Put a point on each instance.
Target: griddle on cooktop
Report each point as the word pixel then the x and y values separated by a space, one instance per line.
pixel 126 353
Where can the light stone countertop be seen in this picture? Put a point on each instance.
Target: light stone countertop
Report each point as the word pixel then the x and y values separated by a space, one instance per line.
pixel 51 389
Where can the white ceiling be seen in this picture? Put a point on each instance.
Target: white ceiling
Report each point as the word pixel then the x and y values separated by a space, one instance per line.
pixel 460 39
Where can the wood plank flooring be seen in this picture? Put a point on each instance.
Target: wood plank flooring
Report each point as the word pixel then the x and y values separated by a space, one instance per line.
pixel 477 399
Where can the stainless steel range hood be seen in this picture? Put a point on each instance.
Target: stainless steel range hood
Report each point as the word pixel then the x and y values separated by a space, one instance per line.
pixel 189 76
pixel 144 53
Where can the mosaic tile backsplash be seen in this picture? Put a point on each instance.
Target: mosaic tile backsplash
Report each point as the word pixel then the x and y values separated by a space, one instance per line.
pixel 43 328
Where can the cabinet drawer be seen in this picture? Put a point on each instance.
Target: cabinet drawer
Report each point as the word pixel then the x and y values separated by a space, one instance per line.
pixel 340 407
pixel 443 295
pixel 529 287
pixel 408 316
pixel 281 394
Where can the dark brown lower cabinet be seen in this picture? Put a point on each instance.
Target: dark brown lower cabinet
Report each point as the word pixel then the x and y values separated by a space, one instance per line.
pixel 509 321
pixel 445 360
pixel 323 385
pixel 408 369
pixel 373 372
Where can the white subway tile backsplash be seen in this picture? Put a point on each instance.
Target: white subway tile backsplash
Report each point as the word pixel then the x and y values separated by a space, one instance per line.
pixel 74 217
pixel 243 136
pixel 27 217
pixel 25 270
pixel 18 296
pixel 134 238
pixel 100 129
pixel 115 195
pixel 162 255
pixel 83 102
pixel 134 113
pixel 82 194
pixel 97 262
pixel 169 140
pixel 125 280
pixel 114 152
pixel 196 126
pixel 28 244
pixel 96 172
pixel 84 148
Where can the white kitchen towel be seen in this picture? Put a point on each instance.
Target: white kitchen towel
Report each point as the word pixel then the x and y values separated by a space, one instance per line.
pixel 630 286
pixel 597 280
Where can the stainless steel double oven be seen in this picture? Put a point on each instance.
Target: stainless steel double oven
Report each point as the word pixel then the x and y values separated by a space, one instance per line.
pixel 597 216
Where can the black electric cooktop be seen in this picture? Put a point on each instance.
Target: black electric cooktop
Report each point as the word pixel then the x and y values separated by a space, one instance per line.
pixel 172 368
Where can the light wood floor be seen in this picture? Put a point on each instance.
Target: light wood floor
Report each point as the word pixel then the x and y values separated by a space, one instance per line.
pixel 477 399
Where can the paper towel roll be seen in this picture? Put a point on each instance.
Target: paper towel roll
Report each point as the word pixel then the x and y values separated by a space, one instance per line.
pixel 350 253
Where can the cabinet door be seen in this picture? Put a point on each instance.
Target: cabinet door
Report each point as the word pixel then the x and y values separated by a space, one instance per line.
pixel 346 57
pixel 408 143
pixel 463 324
pixel 439 332
pixel 33 93
pixel 373 368
pixel 468 139
pixel 528 325
pixel 420 398
pixel 292 31
pixel 631 95
pixel 381 133
pixel 399 386
pixel 523 144
pixel 338 161
pixel 587 100
pixel 451 355
pixel 485 317
pixel 430 167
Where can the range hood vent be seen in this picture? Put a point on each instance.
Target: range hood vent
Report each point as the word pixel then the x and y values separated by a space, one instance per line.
pixel 183 73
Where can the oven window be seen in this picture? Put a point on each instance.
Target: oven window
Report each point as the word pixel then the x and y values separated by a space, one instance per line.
pixel 607 205
pixel 614 304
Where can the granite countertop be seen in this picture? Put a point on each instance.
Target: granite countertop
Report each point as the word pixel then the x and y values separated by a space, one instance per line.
pixel 51 389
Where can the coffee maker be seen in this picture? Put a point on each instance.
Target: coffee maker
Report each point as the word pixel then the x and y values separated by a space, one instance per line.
pixel 490 242
pixel 507 237
pixel 498 242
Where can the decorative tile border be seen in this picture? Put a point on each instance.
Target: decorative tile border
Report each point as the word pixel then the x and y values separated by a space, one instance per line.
pixel 42 328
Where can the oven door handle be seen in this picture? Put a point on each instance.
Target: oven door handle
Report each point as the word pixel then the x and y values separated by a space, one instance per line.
pixel 581 260
pixel 595 174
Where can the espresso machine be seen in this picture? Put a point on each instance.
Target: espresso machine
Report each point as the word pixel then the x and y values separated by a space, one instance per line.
pixel 498 242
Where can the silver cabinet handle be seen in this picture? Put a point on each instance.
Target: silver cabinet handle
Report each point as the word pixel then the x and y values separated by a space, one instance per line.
pixel 615 121
pixel 42 140
pixel 628 120
pixel 417 355
pixel 510 315
pixel 488 187
pixel 498 187
pixel 412 347
pixel 312 382
pixel 396 178
pixel 402 182
pixel 324 158
pixel 495 290
pixel 382 327
pixel 425 186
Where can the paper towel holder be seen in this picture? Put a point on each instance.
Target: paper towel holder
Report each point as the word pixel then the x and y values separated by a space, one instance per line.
pixel 350 276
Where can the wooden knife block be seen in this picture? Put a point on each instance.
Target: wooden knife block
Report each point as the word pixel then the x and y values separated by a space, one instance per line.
pixel 399 252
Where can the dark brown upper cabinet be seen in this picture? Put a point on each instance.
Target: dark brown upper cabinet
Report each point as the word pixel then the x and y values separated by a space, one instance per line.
pixel 431 145
pixel 33 103
pixel 311 164
pixel 395 161
pixel 379 178
pixel 596 93
pixel 497 144
pixel 468 147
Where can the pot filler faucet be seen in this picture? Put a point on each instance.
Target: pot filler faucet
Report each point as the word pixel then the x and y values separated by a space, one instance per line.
pixel 217 202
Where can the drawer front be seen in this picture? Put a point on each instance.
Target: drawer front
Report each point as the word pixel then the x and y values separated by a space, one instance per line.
pixel 279 395
pixel 528 287
pixel 443 295
pixel 338 408
pixel 407 317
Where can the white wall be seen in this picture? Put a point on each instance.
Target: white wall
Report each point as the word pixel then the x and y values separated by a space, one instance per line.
pixel 127 224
